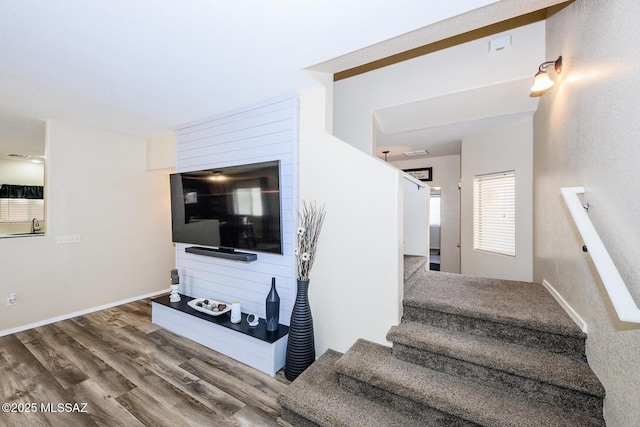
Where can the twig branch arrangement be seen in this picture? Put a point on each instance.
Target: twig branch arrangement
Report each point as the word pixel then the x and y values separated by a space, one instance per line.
pixel 310 219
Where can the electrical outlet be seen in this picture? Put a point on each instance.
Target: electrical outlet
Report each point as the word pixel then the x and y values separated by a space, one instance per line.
pixel 12 300
pixel 70 238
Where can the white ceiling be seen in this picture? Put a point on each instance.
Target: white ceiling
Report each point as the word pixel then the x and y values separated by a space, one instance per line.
pixel 145 67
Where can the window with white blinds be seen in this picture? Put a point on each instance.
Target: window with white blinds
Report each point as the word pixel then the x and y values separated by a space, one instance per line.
pixel 494 213
pixel 21 210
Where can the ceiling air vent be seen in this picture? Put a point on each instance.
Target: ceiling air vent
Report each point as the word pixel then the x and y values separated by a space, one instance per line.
pixel 416 153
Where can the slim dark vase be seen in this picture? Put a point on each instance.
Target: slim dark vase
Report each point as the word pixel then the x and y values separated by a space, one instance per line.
pixel 273 308
pixel 301 352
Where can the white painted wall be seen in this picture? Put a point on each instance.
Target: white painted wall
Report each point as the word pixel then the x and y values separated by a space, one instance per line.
pixel 257 133
pixel 161 151
pixel 97 187
pixel 355 289
pixel 446 175
pixel 506 148
pixel 586 134
pixel 434 237
pixel 415 211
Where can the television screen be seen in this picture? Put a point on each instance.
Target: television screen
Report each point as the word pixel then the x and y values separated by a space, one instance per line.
pixel 236 207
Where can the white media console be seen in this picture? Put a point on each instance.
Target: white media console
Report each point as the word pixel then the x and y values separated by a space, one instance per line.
pixel 251 345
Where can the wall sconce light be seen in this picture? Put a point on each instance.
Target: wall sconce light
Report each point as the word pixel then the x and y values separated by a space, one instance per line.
pixel 216 176
pixel 541 81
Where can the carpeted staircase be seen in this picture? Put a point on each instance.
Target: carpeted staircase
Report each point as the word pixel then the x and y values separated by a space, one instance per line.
pixel 469 352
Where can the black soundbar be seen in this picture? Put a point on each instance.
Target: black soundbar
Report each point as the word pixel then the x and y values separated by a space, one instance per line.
pixel 225 253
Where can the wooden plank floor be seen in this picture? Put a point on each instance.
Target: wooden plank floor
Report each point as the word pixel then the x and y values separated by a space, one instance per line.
pixel 128 372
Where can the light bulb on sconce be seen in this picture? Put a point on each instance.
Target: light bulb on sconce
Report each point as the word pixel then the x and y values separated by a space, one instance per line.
pixel 541 81
pixel 217 176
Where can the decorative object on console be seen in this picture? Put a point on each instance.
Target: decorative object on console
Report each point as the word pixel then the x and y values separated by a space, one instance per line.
pixel 175 285
pixel 301 344
pixel 209 306
pixel 236 313
pixel 175 296
pixel 273 308
pixel 253 320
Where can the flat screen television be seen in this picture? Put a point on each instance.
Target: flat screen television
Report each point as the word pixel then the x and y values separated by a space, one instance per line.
pixel 235 207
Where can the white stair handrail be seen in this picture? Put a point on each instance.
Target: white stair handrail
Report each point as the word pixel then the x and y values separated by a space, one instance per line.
pixel 617 290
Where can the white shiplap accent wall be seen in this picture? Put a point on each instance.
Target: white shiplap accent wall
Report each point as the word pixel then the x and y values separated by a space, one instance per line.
pixel 259 133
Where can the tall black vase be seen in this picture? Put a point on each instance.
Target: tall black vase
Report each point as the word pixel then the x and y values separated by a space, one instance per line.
pixel 273 308
pixel 301 352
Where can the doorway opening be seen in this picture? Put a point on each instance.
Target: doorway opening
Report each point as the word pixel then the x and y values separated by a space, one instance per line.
pixel 434 229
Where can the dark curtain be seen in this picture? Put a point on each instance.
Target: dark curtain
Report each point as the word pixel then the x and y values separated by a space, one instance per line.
pixel 9 191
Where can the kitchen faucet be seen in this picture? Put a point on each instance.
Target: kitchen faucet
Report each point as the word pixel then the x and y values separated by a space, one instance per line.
pixel 35 225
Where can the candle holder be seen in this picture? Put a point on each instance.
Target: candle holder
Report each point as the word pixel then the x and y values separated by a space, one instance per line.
pixel 236 314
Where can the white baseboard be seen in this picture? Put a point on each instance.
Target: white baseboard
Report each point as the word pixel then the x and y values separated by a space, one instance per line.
pixel 79 313
pixel 564 304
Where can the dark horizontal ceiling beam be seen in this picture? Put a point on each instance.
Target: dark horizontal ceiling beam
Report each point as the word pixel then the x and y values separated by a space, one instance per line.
pixel 465 37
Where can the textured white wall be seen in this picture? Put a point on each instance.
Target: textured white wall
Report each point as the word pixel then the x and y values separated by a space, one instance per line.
pixel 505 148
pixel 97 187
pixel 586 133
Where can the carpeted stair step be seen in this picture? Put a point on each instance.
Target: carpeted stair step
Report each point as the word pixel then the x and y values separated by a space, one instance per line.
pixel 413 265
pixel 518 312
pixel 316 399
pixel 370 369
pixel 551 378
